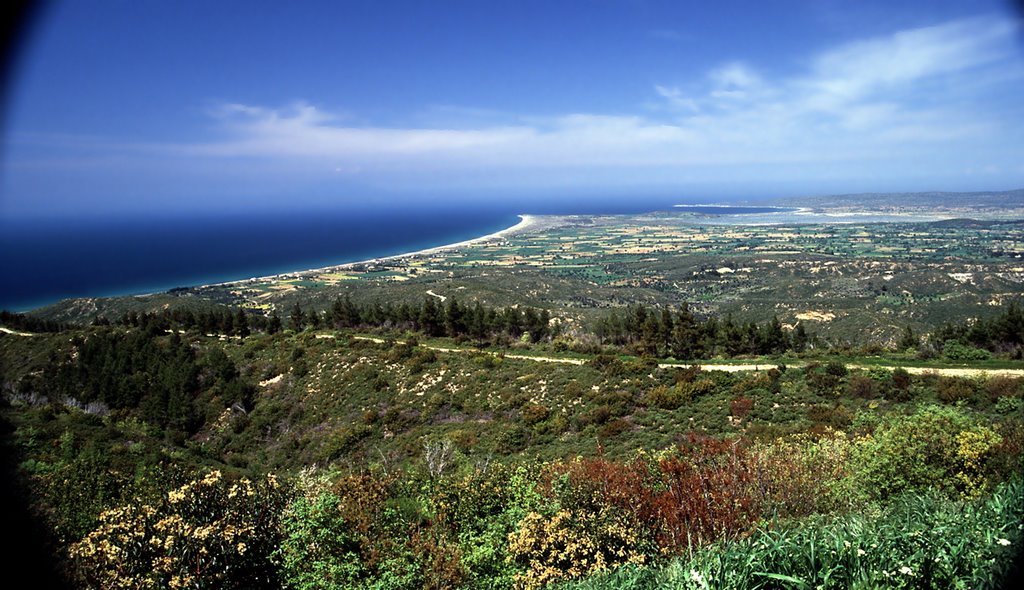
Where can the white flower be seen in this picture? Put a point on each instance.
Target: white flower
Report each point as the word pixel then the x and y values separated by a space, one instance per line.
pixel 906 571
pixel 1003 542
pixel 860 552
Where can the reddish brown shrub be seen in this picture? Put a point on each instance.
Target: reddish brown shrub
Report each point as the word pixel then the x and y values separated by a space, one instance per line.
pixel 440 561
pixel 589 484
pixel 706 495
pixel 954 389
pixel 740 407
pixel 614 428
pixel 997 387
pixel 862 387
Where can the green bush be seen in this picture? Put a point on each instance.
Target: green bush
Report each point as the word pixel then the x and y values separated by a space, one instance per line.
pixel 353 534
pixel 937 447
pixel 956 351
pixel 319 551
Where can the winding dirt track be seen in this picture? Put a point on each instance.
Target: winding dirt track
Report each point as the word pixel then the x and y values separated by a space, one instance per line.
pixel 944 371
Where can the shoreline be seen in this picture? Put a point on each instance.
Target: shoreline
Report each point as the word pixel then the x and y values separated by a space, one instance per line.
pixel 526 222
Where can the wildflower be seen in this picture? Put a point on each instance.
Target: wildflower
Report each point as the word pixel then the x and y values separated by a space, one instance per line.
pixel 906 571
pixel 860 552
pixel 241 547
pixel 1004 542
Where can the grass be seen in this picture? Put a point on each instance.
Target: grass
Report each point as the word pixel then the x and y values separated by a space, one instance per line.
pixel 921 541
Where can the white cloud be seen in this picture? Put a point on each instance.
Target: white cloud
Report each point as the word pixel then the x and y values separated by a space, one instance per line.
pixel 912 95
pixel 908 56
pixel 735 77
pixel 676 98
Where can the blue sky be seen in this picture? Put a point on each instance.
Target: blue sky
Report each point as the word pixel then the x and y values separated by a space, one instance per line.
pixel 182 106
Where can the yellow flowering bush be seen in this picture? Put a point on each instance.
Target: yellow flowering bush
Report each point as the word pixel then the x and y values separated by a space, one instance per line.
pixel 208 533
pixel 573 544
pixel 971 451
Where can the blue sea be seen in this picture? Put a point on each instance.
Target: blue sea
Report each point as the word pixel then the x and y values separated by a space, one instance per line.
pixel 44 261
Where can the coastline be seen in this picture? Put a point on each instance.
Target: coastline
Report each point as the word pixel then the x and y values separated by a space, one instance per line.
pixel 526 222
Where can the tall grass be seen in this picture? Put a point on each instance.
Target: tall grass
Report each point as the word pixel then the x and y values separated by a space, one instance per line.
pixel 918 541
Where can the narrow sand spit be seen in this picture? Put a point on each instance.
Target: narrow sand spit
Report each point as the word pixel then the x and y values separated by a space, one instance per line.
pixel 525 222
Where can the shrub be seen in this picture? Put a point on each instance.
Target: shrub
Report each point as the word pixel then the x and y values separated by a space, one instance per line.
pixel 999 387
pixel 607 364
pixel 956 351
pixel 481 509
pixel 900 382
pixel 666 398
pixel 862 387
pixel 572 544
pixel 740 407
pixel 836 369
pixel 688 374
pixel 1011 406
pixel 513 440
pixel 614 428
pixel 836 416
pixel 801 475
pixel 937 447
pixel 320 549
pixel 954 389
pixel 696 389
pixel 824 380
pixel 342 535
pixel 598 415
pixel 209 533
pixel 707 494
pixel 535 413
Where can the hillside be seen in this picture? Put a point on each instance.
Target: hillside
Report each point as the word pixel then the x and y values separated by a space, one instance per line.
pixel 106 414
pixel 611 402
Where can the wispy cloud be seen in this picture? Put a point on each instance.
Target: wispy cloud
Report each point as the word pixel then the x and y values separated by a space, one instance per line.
pixel 912 94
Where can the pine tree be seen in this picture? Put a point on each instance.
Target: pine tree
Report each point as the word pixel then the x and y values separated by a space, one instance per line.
pixel 274 324
pixel 800 338
pixel 908 340
pixel 454 323
pixel 684 334
pixel 772 339
pixel 241 323
pixel 430 320
pixel 297 319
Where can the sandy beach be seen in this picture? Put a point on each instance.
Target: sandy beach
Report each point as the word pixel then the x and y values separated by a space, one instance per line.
pixel 526 222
